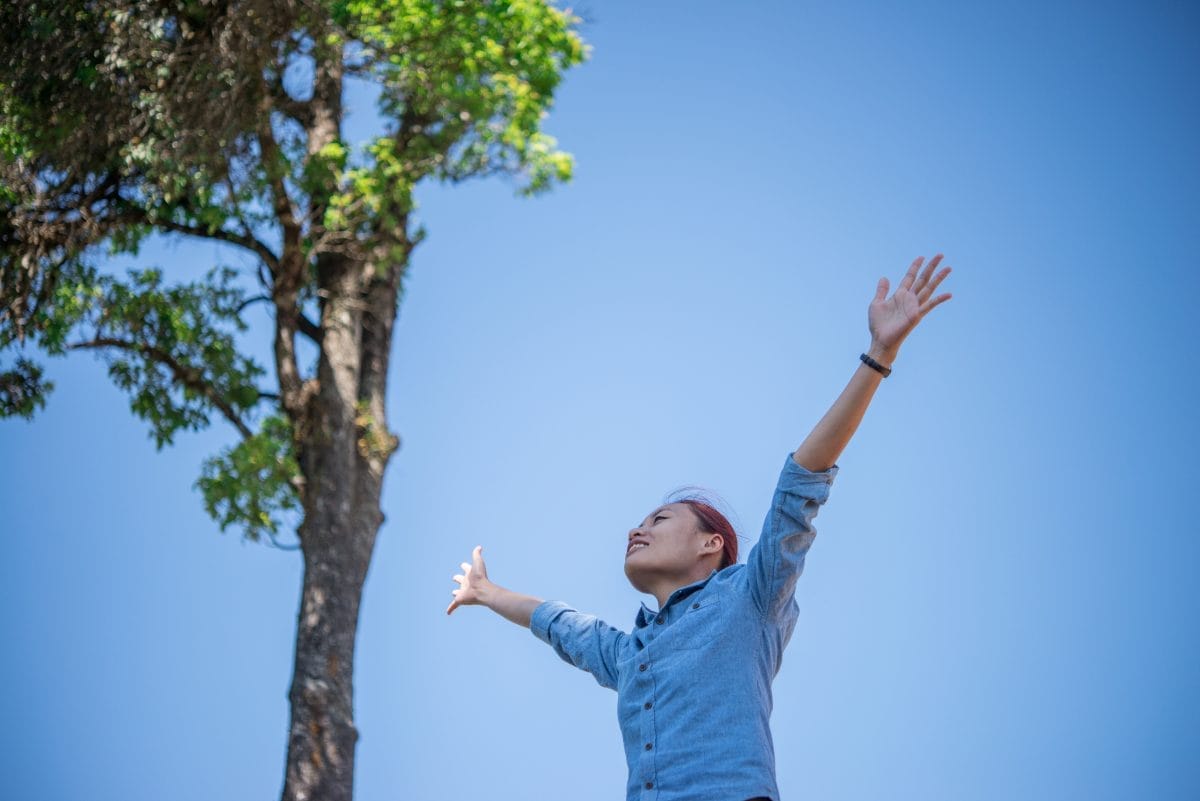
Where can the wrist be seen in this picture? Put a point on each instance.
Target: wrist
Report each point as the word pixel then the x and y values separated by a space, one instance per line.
pixel 487 594
pixel 883 355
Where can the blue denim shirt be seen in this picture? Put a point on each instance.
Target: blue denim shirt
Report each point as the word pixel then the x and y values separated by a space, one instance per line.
pixel 693 680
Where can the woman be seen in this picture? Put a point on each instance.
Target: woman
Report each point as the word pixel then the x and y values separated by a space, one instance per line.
pixel 693 679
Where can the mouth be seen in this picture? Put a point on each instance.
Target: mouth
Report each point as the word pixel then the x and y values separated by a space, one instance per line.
pixel 637 545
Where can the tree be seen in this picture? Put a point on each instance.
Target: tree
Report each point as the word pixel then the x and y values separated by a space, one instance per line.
pixel 222 119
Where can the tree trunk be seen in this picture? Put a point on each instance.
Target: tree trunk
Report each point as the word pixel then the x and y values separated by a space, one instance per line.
pixel 322 737
pixel 344 448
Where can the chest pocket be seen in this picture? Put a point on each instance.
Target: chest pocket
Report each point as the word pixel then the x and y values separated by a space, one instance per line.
pixel 698 625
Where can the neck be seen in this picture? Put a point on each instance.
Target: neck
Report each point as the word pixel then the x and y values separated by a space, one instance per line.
pixel 662 588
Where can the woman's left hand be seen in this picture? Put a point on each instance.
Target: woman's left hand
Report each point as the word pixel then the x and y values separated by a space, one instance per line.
pixel 891 319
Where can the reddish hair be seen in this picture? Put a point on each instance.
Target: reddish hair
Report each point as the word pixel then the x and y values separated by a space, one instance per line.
pixel 713 522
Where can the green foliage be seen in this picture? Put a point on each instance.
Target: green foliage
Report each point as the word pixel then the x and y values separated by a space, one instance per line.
pixel 251 483
pixel 170 347
pixel 472 80
pixel 86 80
pixel 22 390
pixel 123 118
pixel 374 441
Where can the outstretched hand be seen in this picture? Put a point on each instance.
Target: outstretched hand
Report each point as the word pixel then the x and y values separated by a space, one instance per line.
pixel 892 319
pixel 470 581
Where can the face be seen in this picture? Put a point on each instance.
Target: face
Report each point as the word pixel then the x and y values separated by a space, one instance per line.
pixel 668 543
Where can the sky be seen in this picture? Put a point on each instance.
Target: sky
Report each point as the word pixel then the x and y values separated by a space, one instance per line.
pixel 1001 599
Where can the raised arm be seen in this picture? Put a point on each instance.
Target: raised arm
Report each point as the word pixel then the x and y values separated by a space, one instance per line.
pixel 777 559
pixel 890 320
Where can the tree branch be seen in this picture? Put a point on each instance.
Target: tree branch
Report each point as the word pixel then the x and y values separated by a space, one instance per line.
pixel 309 328
pixel 282 202
pixel 244 240
pixel 241 218
pixel 288 278
pixel 299 110
pixel 249 301
pixel 277 544
pixel 186 376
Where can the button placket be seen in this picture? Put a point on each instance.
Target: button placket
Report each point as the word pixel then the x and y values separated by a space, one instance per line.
pixel 647 767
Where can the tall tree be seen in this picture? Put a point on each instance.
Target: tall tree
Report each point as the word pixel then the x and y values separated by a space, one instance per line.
pixel 223 119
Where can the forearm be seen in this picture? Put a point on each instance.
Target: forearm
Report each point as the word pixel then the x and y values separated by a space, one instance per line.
pixel 508 604
pixel 821 449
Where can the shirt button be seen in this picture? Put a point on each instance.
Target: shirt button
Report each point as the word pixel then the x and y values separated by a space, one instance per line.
pixel 649 746
pixel 647 705
pixel 649 785
pixel 642 667
pixel 660 619
pixel 696 606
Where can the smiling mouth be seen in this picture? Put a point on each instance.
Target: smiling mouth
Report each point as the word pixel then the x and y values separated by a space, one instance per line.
pixel 637 546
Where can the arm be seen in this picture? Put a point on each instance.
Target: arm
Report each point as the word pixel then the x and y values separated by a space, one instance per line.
pixel 890 320
pixel 777 560
pixel 581 640
pixel 829 438
pixel 476 588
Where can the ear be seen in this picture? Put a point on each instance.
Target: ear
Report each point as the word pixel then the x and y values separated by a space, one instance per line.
pixel 713 543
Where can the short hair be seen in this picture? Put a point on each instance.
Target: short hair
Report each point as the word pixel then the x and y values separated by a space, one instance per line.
pixel 711 519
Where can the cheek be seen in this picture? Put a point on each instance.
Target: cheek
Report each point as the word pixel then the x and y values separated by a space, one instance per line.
pixel 677 546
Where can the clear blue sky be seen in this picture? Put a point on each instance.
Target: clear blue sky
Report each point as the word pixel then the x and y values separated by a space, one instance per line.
pixel 1002 599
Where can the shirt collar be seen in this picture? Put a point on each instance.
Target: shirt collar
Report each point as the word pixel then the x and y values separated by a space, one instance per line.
pixel 646 615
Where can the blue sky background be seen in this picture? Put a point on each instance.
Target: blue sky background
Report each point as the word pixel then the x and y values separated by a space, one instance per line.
pixel 1001 602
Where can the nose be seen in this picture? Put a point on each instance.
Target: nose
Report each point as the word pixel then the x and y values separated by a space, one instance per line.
pixel 633 532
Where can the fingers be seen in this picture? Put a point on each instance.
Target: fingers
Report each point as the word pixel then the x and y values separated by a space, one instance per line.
pixel 460 580
pixel 925 309
pixel 909 277
pixel 916 281
pixel 464 579
pixel 920 284
pixel 881 290
pixel 927 291
pixel 923 286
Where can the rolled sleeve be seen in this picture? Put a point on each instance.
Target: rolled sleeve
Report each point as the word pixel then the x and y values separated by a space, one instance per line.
pixel 582 640
pixel 777 559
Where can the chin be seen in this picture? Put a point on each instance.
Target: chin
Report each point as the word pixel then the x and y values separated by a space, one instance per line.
pixel 635 576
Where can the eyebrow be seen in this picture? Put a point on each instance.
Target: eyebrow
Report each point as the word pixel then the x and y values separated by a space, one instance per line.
pixel 656 512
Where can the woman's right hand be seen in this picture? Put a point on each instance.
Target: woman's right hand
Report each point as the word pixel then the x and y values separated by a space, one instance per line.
pixel 470 582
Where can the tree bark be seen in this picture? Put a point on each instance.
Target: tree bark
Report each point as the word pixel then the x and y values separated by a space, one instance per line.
pixel 322 736
pixel 343 455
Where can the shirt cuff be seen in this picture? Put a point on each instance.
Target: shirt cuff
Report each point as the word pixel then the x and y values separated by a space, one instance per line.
pixel 795 475
pixel 801 482
pixel 543 616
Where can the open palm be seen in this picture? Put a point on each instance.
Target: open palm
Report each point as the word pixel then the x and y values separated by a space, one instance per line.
pixel 472 578
pixel 892 319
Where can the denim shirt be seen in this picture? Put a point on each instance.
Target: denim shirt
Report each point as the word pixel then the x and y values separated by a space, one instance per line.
pixel 693 680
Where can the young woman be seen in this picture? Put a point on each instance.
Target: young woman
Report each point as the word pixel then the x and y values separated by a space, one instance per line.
pixel 693 679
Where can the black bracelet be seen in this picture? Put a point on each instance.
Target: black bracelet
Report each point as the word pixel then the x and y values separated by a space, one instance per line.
pixel 874 365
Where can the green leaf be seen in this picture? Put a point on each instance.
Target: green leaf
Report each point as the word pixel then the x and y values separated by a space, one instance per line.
pixel 252 485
